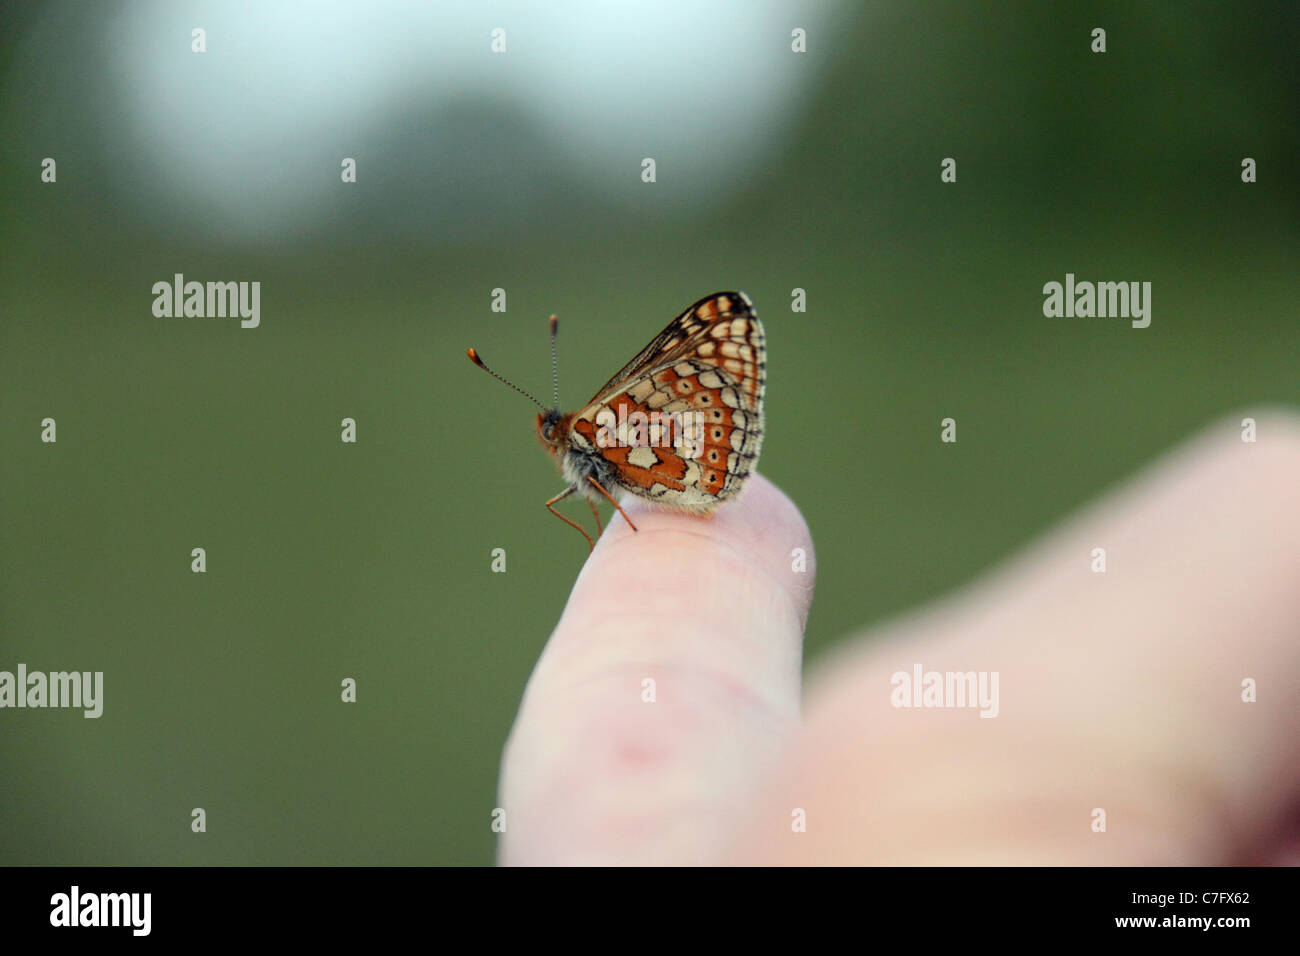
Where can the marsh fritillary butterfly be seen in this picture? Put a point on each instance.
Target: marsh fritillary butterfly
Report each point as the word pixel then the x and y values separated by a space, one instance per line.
pixel 681 425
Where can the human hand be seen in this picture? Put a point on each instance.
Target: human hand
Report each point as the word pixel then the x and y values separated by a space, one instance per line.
pixel 1120 691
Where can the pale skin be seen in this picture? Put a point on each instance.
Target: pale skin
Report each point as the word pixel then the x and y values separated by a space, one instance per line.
pixel 1120 691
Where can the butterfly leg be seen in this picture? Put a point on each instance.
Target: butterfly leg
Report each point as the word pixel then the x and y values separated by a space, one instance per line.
pixel 591 546
pixel 601 489
pixel 595 513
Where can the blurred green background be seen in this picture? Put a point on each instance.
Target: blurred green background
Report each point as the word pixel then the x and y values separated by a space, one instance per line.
pixel 521 170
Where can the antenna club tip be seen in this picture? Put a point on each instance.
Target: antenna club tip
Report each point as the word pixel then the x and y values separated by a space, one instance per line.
pixel 473 356
pixel 555 322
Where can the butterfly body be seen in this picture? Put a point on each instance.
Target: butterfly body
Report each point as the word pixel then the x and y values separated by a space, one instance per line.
pixel 681 425
pixel 577 459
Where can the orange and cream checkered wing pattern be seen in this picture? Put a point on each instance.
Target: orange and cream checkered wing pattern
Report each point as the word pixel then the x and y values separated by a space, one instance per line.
pixel 707 368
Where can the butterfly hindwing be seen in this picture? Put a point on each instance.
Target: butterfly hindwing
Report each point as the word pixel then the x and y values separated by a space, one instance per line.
pixel 708 365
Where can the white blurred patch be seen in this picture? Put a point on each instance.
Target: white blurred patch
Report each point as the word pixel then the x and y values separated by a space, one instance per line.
pixel 247 139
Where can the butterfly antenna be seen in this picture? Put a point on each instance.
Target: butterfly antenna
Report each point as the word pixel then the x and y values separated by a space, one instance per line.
pixel 473 357
pixel 555 362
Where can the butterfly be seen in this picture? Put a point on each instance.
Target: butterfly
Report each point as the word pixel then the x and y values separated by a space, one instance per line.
pixel 680 425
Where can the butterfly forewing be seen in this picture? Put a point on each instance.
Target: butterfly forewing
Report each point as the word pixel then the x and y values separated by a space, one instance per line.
pixel 710 362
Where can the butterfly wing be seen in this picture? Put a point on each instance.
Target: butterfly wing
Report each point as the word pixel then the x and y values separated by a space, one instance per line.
pixel 702 379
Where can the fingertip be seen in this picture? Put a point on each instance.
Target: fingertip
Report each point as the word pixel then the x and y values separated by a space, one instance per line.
pixel 667 686
pixel 762 529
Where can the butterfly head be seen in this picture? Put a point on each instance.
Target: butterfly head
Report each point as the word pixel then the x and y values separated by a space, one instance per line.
pixel 550 430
